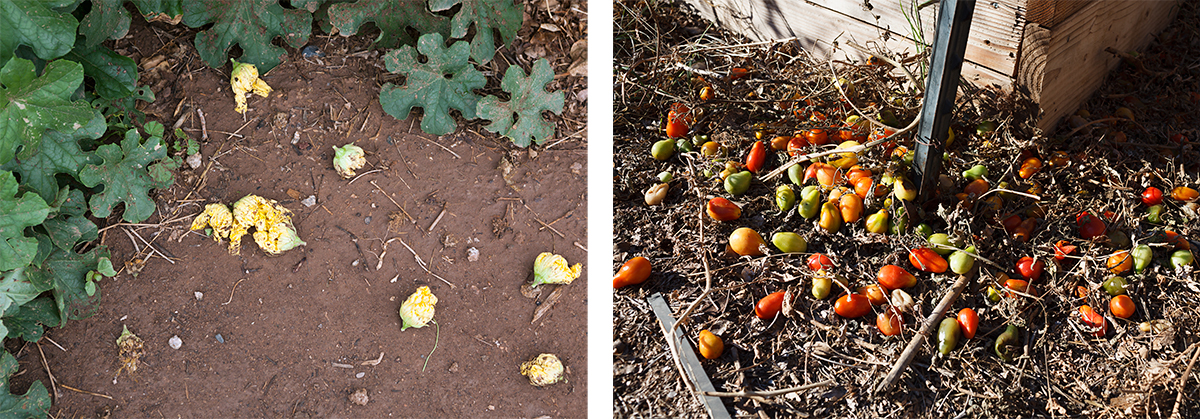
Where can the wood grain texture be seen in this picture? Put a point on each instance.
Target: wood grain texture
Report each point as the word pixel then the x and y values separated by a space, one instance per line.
pixel 1048 13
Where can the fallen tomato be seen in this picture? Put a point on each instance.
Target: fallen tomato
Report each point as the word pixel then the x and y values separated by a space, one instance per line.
pixel 1030 269
pixel 747 242
pixel 1121 306
pixel 889 322
pixel 679 120
pixel 710 345
pixel 1062 249
pixel 874 293
pixel 1184 193
pixel 1093 320
pixel 948 333
pixel 1090 226
pixel 632 272
pixel 819 261
pixel 852 306
pixel 817 136
pixel 1152 196
pixel 831 217
pixel 1120 262
pixel 789 242
pixel 1007 343
pixel 768 307
pixel 851 206
pixel 722 209
pixel 878 222
pixel 757 157
pixel 1029 167
pixel 1020 286
pixel 968 320
pixel 1114 286
pixel 785 198
pixel 927 260
pixel 894 277
pixel 738 183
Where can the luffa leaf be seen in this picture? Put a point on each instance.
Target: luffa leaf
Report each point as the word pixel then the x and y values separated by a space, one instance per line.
pixel 529 99
pixel 17 213
pixel 393 17
pixel 108 19
pixel 30 105
pixel 444 81
pixel 252 24
pixel 502 15
pixel 115 75
pixel 35 403
pixel 125 177
pixel 59 153
pixel 49 33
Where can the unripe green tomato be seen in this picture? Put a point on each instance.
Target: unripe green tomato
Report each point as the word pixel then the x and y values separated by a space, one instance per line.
pixel 961 261
pixel 978 171
pixel 899 222
pixel 948 333
pixel 810 202
pixel 684 145
pixel 796 174
pixel 1114 286
pixel 665 177
pixel 737 184
pixel 924 230
pixel 789 242
pixel 1119 239
pixel 1142 255
pixel 993 294
pixel 940 243
pixel 785 198
pixel 707 173
pixel 1180 258
pixel 985 128
pixel 1007 343
pixel 663 150
pixel 1154 214
pixel 878 222
pixel 821 286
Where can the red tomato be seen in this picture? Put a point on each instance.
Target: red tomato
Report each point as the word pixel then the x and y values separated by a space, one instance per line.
pixel 738 72
pixel 722 209
pixel 679 120
pixel 875 293
pixel 1090 226
pixel 1152 196
pixel 633 272
pixel 852 306
pixel 1062 249
pixel 817 137
pixel 1020 286
pixel 927 260
pixel 894 277
pixel 819 261
pixel 1030 269
pixel 768 307
pixel 968 321
pixel 797 145
pixel 889 322
pixel 1094 320
pixel 757 157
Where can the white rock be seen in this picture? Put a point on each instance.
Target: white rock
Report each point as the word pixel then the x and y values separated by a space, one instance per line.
pixel 472 254
pixel 310 201
pixel 195 161
pixel 175 342
pixel 199 296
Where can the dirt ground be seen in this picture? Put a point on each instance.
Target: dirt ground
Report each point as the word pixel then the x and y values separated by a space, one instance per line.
pixel 295 335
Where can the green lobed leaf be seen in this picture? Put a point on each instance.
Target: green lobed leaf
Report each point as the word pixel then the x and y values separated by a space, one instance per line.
pixel 125 177
pixel 35 403
pixel 65 231
pixel 392 17
pixel 529 99
pixel 32 23
pixel 108 19
pixel 252 24
pixel 170 11
pixel 115 75
pixel 30 105
pixel 69 202
pixel 67 273
pixel 444 81
pixel 502 15
pixel 17 213
pixel 59 153
pixel 29 321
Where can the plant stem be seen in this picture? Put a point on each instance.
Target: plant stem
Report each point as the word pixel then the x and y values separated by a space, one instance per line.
pixel 437 335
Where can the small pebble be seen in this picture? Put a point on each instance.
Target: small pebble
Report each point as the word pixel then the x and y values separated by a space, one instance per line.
pixel 359 397
pixel 360 375
pixel 220 339
pixel 310 201
pixel 312 51
pixel 367 220
pixel 199 296
pixel 175 342
pixel 195 161
pixel 472 254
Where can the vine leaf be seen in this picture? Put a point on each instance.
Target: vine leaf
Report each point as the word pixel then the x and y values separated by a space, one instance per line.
pixel 125 177
pixel 108 19
pixel 29 105
pixel 444 81
pixel 529 99
pixel 502 15
pixel 393 17
pixel 115 75
pixel 35 403
pixel 170 11
pixel 252 24
pixel 49 33
pixel 17 213
pixel 59 153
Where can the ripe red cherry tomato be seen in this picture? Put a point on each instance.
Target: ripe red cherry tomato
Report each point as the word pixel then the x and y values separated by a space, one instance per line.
pixel 852 306
pixel 768 307
pixel 1029 269
pixel 819 261
pixel 968 320
pixel 1090 226
pixel 1152 196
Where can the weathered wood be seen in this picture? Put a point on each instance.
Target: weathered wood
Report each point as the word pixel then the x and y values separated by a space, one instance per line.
pixel 714 405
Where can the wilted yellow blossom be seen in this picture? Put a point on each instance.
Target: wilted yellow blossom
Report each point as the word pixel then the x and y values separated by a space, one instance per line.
pixel 544 370
pixel 274 231
pixel 550 268
pixel 417 310
pixel 245 79
pixel 129 347
pixel 216 216
pixel 347 159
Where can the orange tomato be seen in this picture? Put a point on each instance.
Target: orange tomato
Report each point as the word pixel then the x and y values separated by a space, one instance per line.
pixel 780 143
pixel 722 209
pixel 852 306
pixel 634 271
pixel 927 260
pixel 710 345
pixel 1121 306
pixel 894 277
pixel 746 242
pixel 1120 262
pixel 874 293
pixel 889 322
pixel 857 173
pixel 1029 167
pixel 1184 193
pixel 1093 320
pixel 817 136
pixel 679 120
pixel 707 93
pixel 968 321
pixel 828 176
pixel 1019 286
pixel 862 186
pixel 976 188
pixel 738 72
pixel 851 206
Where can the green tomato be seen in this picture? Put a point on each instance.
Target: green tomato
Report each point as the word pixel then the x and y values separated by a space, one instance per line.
pixel 1008 342
pixel 1181 258
pixel 1154 214
pixel 789 242
pixel 948 333
pixel 993 294
pixel 737 183
pixel 978 171
pixel 665 177
pixel 796 174
pixel 822 284
pixel 785 198
pixel 961 261
pixel 810 202
pixel 1142 255
pixel 663 150
pixel 1115 286
pixel 684 145
pixel 924 230
pixel 940 243
pixel 899 222
pixel 1119 239
pixel 985 128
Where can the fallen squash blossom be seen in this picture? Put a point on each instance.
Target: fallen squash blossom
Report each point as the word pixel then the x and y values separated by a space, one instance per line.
pixel 347 159
pixel 244 80
pixel 417 310
pixel 544 370
pixel 550 268
pixel 216 216
pixel 274 232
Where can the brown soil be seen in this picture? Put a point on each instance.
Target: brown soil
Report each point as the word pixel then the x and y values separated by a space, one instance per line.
pixel 268 335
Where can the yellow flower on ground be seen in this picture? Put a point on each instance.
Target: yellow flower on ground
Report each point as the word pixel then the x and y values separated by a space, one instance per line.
pixel 274 232
pixel 245 79
pixel 417 310
pixel 550 268
pixel 544 370
pixel 216 216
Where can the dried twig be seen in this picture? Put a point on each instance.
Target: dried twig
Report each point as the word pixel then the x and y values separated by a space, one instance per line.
pixel 232 290
pixel 203 125
pixel 421 262
pixel 385 195
pixel 149 246
pixel 84 391
pixel 54 381
pixel 770 393
pixel 927 328
pixel 1182 380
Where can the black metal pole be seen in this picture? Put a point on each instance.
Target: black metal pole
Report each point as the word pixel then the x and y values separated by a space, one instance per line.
pixel 949 45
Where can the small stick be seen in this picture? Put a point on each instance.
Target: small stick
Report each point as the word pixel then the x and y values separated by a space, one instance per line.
pixel 232 290
pixel 580 246
pixel 543 223
pixel 385 195
pixel 373 362
pixel 439 218
pixel 136 249
pixel 55 388
pixel 437 335
pixel 770 393
pixel 148 246
pixel 346 366
pixel 442 146
pixel 84 391
pixel 203 125
pixel 55 343
pixel 930 324
pixel 364 174
pixel 218 132
pixel 1182 381
pixel 422 263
